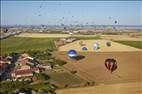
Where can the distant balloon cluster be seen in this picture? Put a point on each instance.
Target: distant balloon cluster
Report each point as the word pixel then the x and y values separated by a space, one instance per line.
pixel 75 21
pixel 39 13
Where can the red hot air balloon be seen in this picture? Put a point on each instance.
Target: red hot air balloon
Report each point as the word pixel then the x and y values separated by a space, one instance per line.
pixel 111 64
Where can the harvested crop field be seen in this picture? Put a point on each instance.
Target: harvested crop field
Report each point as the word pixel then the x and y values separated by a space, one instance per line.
pixel 42 35
pixel 47 35
pixel 92 68
pixel 65 79
pixel 115 47
pixel 111 37
pixel 122 88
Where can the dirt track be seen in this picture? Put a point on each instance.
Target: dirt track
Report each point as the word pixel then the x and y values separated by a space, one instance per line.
pixel 92 67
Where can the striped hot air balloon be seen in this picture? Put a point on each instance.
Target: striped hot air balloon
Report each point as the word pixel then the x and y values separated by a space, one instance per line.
pixel 111 64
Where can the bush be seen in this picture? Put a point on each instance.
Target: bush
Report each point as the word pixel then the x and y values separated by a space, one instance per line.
pixel 41 76
pixel 73 71
pixel 66 85
pixel 8 87
pixel 41 55
pixel 87 83
pixel 60 62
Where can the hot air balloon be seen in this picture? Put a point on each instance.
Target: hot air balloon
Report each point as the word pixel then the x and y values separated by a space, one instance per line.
pixel 108 43
pixel 96 46
pixel 115 22
pixel 114 26
pixel 72 53
pixel 62 25
pixel 5 30
pixel 111 64
pixel 65 28
pixel 84 48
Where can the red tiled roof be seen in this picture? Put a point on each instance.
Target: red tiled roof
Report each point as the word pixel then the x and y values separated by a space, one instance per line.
pixel 2 61
pixel 25 71
pixel 2 65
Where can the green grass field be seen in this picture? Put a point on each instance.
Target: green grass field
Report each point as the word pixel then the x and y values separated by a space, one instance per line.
pixel 20 44
pixel 136 44
pixel 65 79
pixel 8 87
pixel 16 44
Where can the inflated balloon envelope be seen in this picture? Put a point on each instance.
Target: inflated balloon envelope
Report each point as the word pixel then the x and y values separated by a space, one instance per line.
pixel 84 48
pixel 111 64
pixel 72 53
pixel 96 46
pixel 108 44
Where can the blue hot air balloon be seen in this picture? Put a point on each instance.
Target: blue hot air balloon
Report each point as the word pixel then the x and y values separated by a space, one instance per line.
pixel 84 48
pixel 72 53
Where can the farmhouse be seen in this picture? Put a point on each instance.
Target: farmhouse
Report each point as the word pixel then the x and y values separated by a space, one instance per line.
pixel 25 59
pixel 44 66
pixel 64 41
pixel 68 40
pixel 19 73
pixel 24 67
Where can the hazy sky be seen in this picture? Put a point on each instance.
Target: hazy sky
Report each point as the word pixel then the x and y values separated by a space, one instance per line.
pixel 71 12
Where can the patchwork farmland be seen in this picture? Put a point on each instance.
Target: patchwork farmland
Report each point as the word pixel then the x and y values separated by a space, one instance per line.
pixel 115 47
pixel 92 69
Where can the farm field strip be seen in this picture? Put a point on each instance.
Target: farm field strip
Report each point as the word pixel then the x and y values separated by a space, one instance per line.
pixel 40 35
pixel 103 36
pixel 115 47
pixel 136 44
pixel 92 68
pixel 46 35
pixel 121 88
pixel 120 37
pixel 15 44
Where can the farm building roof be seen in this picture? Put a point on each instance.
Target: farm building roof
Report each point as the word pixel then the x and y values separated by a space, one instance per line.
pixel 25 71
